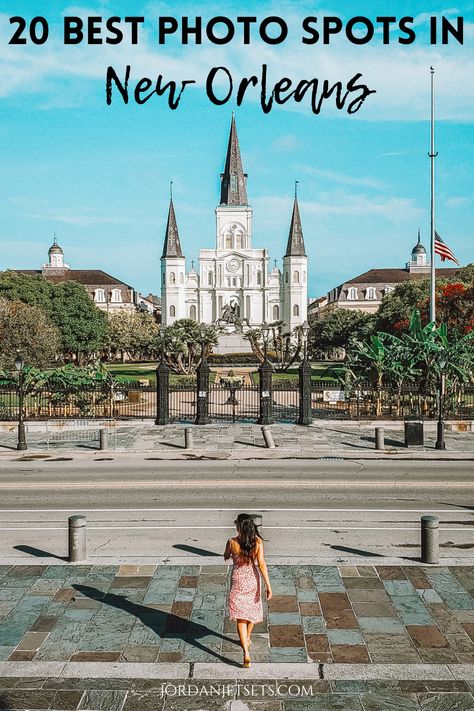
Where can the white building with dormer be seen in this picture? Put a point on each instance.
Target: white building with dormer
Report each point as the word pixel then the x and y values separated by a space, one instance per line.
pixel 234 273
pixel 366 291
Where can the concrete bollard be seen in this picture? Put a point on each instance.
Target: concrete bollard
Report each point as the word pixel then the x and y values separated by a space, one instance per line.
pixel 257 519
pixel 103 439
pixel 268 437
pixel 429 539
pixel 188 438
pixel 77 538
pixel 379 438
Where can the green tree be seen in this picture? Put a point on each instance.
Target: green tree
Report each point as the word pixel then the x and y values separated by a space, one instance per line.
pixel 331 337
pixel 180 345
pixel 132 333
pixel 283 347
pixel 82 325
pixel 28 330
pixel 394 313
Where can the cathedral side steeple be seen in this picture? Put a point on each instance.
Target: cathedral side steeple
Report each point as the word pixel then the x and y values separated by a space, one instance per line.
pixel 172 272
pixel 172 245
pixel 295 246
pixel 233 179
pixel 294 288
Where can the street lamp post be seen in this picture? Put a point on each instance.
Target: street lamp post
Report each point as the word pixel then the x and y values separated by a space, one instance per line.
pixel 440 443
pixel 304 377
pixel 265 379
pixel 19 365
pixel 202 385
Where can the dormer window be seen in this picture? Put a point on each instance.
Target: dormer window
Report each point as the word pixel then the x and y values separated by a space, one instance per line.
pixel 370 293
pixel 352 294
pixel 99 296
pixel 116 295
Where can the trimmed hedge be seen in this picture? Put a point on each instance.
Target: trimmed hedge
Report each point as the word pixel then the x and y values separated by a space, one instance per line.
pixel 237 358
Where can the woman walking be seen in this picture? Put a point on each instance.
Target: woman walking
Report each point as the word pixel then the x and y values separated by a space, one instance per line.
pixel 245 601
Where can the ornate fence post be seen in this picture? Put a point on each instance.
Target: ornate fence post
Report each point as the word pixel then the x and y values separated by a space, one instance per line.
pixel 202 387
pixel 162 394
pixel 305 415
pixel 265 371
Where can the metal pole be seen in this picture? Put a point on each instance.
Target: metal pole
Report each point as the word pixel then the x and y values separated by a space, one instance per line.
pixel 268 437
pixel 103 439
pixel 429 539
pixel 379 438
pixel 21 446
pixel 77 538
pixel 188 438
pixel 432 155
pixel 440 443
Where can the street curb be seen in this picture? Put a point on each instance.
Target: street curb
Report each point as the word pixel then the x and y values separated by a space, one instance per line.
pixel 245 454
pixel 211 670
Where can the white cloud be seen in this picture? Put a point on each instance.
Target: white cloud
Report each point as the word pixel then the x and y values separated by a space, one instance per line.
pixel 399 74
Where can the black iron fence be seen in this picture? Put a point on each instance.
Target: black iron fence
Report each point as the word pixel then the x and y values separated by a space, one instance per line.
pixel 135 401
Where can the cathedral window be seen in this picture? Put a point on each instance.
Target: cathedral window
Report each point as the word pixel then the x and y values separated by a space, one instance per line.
pixel 228 281
pixel 296 277
pixel 296 310
pixel 172 278
pixel 172 311
pixel 370 293
pixel 116 295
pixel 238 240
pixel 192 312
pixel 286 278
pixel 276 313
pixel 352 294
pixel 259 278
pixel 209 279
pixel 234 281
pixel 248 309
pixel 99 296
pixel 233 183
pixel 228 242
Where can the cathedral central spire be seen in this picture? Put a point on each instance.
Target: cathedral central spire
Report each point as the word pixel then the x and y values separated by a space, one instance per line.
pixel 233 179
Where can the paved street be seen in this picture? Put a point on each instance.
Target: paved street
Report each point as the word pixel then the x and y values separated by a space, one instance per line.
pixel 142 509
pixel 222 440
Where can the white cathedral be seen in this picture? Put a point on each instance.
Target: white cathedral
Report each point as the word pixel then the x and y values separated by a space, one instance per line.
pixel 234 276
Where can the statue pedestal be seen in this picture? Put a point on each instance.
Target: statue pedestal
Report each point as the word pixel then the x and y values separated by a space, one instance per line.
pixel 232 342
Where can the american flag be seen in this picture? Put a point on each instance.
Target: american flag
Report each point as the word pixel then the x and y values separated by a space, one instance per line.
pixel 443 250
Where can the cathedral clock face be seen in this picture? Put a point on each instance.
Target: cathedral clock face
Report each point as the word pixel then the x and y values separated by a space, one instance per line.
pixel 233 265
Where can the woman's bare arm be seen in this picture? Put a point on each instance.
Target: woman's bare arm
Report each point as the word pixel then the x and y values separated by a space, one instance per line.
pixel 228 549
pixel 263 568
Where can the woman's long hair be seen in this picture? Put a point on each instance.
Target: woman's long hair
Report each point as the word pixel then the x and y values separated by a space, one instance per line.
pixel 248 534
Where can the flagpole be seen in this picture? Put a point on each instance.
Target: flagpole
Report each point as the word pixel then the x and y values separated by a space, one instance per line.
pixel 432 155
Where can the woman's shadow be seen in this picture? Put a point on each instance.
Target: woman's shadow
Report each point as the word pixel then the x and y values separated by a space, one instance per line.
pixel 166 625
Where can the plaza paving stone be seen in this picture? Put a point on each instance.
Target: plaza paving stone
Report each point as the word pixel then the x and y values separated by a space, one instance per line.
pixel 179 614
pixel 225 437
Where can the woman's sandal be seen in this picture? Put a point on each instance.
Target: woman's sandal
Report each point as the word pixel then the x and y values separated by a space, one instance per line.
pixel 246 663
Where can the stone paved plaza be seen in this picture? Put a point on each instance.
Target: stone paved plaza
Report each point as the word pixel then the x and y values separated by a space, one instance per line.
pixel 353 438
pixel 176 614
pixel 321 617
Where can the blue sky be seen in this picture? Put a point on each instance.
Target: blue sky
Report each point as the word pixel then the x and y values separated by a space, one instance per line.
pixel 99 175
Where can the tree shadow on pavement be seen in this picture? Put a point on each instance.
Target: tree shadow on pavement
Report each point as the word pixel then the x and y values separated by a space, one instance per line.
pixel 166 625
